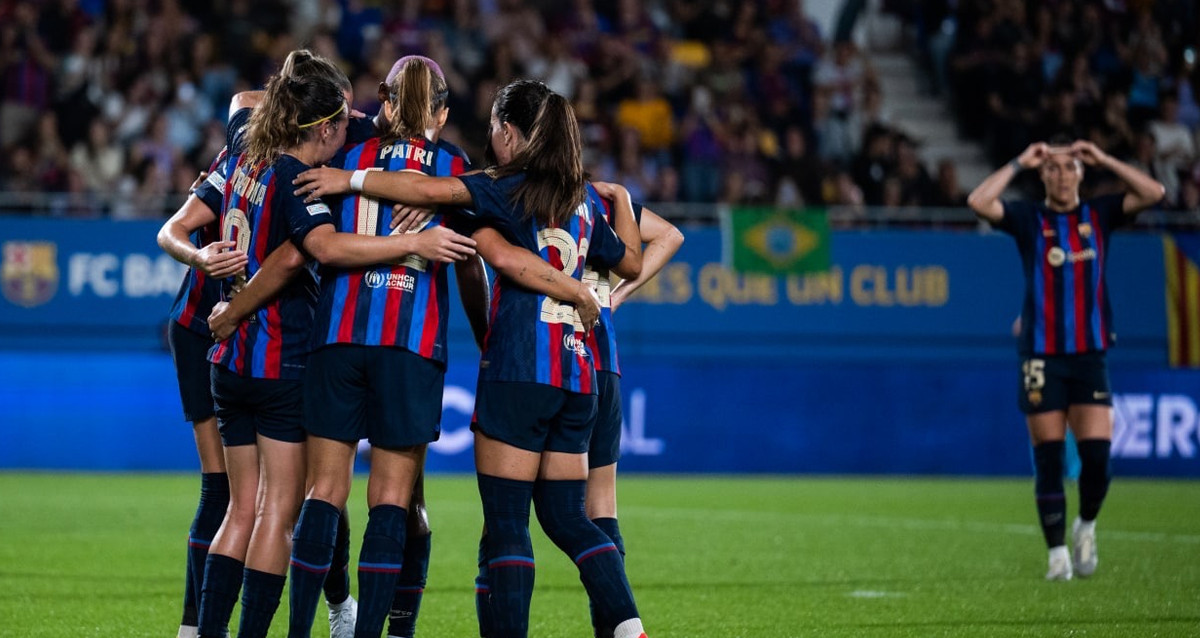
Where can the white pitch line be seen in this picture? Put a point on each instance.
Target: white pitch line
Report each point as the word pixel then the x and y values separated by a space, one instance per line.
pixel 902 523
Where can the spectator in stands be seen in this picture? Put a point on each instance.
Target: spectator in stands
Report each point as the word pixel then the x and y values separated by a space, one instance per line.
pixel 947 193
pixel 1013 103
pixel 27 69
pixel 842 78
pixel 703 135
pixel 874 164
pixel 1146 159
pixel 916 188
pixel 97 160
pixel 648 113
pixel 797 174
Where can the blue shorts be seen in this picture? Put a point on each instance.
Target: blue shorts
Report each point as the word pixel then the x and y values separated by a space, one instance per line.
pixel 534 416
pixel 248 407
pixel 1054 382
pixel 190 353
pixel 389 396
pixel 605 448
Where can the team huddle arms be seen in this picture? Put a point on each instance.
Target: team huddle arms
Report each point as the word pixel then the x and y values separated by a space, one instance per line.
pixel 314 315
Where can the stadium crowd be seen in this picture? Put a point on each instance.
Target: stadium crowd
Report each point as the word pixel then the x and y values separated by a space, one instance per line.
pixel 1120 74
pixel 119 103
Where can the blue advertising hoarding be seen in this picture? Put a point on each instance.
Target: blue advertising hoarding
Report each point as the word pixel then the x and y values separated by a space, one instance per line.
pixel 899 360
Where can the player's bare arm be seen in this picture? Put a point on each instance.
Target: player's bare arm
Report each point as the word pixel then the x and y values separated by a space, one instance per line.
pixel 217 259
pixel 1144 190
pixel 662 241
pixel 401 186
pixel 530 271
pixel 626 227
pixel 985 199
pixel 279 267
pixel 349 250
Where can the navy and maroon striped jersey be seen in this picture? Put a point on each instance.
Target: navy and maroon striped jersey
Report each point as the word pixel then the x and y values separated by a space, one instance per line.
pixel 404 304
pixel 260 213
pixel 532 337
pixel 1064 255
pixel 602 340
pixel 199 293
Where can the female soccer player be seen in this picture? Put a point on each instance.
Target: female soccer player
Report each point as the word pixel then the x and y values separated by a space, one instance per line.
pixel 378 369
pixel 1066 326
pixel 188 236
pixel 536 396
pixel 257 371
pixel 208 261
pixel 662 241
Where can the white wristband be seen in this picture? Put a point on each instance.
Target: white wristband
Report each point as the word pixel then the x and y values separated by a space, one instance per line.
pixel 356 180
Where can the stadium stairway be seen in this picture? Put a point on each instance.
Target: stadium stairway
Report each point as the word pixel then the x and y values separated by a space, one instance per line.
pixel 925 118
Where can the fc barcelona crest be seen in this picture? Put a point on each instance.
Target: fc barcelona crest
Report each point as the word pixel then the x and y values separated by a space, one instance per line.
pixel 1035 397
pixel 1085 230
pixel 30 272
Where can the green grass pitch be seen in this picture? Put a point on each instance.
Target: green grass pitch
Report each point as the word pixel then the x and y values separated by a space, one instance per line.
pixel 99 555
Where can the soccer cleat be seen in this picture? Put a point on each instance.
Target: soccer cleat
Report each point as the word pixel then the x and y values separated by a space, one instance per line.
pixel 342 617
pixel 1060 564
pixel 1083 538
pixel 631 628
pixel 188 631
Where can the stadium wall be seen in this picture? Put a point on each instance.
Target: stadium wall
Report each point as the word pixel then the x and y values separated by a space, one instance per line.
pixel 900 360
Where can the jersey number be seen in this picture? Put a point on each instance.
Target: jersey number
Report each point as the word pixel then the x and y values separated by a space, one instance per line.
pixel 602 286
pixel 1035 374
pixel 235 227
pixel 553 310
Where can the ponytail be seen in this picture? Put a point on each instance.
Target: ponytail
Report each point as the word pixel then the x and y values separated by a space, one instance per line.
pixel 411 94
pixel 302 63
pixel 551 160
pixel 291 108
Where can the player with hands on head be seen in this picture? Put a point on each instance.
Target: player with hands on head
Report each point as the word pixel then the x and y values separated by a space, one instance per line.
pixel 1066 326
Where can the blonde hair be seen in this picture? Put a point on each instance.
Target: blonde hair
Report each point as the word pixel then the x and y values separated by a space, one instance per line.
pixel 415 94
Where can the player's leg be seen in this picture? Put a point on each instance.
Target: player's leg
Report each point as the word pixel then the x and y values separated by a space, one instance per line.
pixel 559 497
pixel 510 424
pixel 189 352
pixel 506 475
pixel 343 609
pixel 603 452
pixel 483 591
pixel 403 415
pixel 410 587
pixel 1090 418
pixel 1093 426
pixel 281 451
pixel 315 537
pixel 335 405
pixel 380 561
pixel 1047 431
pixel 280 494
pixel 224 566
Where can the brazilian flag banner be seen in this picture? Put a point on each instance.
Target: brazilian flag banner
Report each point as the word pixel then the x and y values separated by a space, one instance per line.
pixel 775 241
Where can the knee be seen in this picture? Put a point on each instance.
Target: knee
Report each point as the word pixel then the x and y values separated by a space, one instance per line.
pixel 240 516
pixel 334 491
